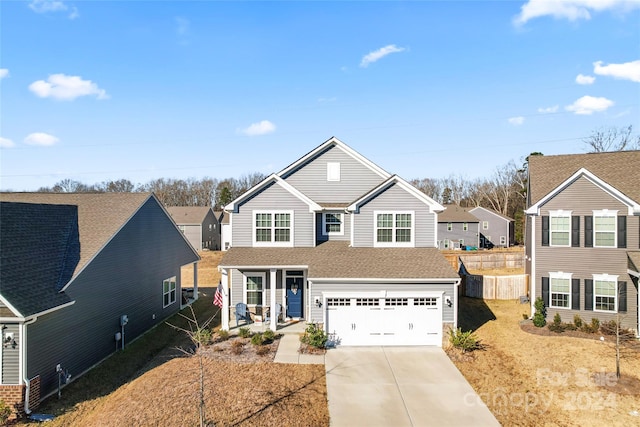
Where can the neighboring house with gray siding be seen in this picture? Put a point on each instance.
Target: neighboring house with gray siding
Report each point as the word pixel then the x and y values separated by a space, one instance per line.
pixel 199 224
pixel 336 240
pixel 496 230
pixel 72 266
pixel 457 228
pixel 583 235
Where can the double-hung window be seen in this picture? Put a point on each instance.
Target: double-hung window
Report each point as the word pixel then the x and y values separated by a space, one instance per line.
pixel 465 226
pixel 485 225
pixel 605 292
pixel 604 228
pixel 273 228
pixel 449 226
pixel 254 288
pixel 393 229
pixel 332 223
pixel 560 290
pixel 560 228
pixel 168 291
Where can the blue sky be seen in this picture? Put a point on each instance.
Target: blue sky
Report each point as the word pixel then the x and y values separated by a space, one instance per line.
pixel 102 90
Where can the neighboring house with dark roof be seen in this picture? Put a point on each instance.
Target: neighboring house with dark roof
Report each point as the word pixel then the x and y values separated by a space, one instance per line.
pixel 583 235
pixel 496 230
pixel 337 240
pixel 199 224
pixel 71 266
pixel 457 228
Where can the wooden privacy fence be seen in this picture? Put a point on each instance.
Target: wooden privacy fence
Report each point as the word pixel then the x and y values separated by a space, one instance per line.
pixel 496 287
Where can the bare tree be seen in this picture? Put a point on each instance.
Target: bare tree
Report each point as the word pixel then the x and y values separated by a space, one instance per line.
pixel 612 139
pixel 119 186
pixel 71 186
pixel 430 187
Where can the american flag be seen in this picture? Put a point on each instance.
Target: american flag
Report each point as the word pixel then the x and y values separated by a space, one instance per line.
pixel 217 299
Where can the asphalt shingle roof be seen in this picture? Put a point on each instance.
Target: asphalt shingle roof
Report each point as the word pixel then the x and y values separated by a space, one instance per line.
pixel 615 168
pixel 192 215
pixel 455 213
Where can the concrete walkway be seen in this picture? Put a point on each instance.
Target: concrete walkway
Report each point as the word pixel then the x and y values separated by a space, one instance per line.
pixel 400 386
pixel 288 352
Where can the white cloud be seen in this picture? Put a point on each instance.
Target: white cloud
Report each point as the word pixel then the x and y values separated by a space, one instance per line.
pixel 61 86
pixel 40 138
pixel 4 72
pixel 548 110
pixel 261 128
pixel 626 71
pixel 588 105
pixel 581 79
pixel 376 55
pixel 572 10
pixel 6 143
pixel 516 121
pixel 46 6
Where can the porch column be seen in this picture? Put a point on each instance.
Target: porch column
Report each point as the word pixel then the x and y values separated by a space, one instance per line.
pixel 225 299
pixel 195 281
pixel 273 316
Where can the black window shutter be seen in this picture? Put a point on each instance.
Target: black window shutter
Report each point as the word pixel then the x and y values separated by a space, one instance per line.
pixel 545 231
pixel 622 297
pixel 622 231
pixel 575 231
pixel 588 294
pixel 588 231
pixel 575 294
pixel 545 291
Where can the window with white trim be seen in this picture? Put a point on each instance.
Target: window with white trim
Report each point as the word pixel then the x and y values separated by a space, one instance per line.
pixel 273 228
pixel 560 290
pixel 449 226
pixel 465 226
pixel 605 292
pixel 560 228
pixel 168 291
pixel 332 223
pixel 503 240
pixel 254 288
pixel 393 229
pixel 604 228
pixel 485 225
pixel 333 171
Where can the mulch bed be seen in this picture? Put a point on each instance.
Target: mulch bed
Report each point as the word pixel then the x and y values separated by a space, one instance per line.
pixel 308 349
pixel 529 327
pixel 240 350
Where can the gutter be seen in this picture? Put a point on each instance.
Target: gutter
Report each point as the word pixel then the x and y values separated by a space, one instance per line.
pixel 27 382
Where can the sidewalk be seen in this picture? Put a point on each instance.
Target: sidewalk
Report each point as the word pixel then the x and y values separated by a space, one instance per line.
pixel 288 352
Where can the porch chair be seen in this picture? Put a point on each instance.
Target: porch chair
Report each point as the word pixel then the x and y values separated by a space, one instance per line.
pixel 278 311
pixel 242 313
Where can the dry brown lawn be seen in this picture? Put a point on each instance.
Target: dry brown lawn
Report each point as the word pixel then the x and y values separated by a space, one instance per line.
pixel 208 274
pixel 556 380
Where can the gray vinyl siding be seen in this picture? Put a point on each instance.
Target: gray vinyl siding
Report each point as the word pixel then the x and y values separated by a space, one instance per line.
pixel 498 226
pixel 395 198
pixel 470 237
pixel 10 355
pixel 319 287
pixel 193 233
pixel 124 278
pixel 346 228
pixel 210 238
pixel 355 178
pixel 273 197
pixel 582 198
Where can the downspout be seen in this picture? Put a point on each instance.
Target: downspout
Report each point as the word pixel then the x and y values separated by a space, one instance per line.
pixel 27 382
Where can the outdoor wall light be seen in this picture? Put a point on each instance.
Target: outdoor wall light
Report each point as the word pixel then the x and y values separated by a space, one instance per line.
pixel 448 301
pixel 318 302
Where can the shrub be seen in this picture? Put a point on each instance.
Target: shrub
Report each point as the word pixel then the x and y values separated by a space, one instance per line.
pixel 202 336
pixel 263 350
pixel 314 336
pixel 223 335
pixel 268 336
pixel 237 347
pixel 569 327
pixel 465 341
pixel 591 328
pixel 609 327
pixel 5 412
pixel 257 339
pixel 244 332
pixel 540 316
pixel 525 316
pixel 556 325
pixel 577 321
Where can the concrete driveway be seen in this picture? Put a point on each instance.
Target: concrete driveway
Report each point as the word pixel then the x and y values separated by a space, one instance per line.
pixel 400 386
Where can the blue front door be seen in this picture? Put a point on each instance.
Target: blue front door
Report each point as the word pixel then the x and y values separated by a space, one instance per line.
pixel 294 296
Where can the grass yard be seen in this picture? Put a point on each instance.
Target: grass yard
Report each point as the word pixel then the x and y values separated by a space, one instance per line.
pixel 533 380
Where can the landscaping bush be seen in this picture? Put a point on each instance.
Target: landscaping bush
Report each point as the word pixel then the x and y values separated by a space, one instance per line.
pixel 314 336
pixel 591 328
pixel 5 412
pixel 202 336
pixel 244 332
pixel 257 339
pixel 540 316
pixel 268 336
pixel 263 350
pixel 237 347
pixel 609 327
pixel 223 335
pixel 577 321
pixel 465 341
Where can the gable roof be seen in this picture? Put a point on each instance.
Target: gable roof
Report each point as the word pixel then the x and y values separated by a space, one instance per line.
pixel 39 251
pixel 546 173
pixel 456 213
pixel 273 178
pixel 100 215
pixel 191 215
pixel 491 211
pixel 333 141
pixel 395 179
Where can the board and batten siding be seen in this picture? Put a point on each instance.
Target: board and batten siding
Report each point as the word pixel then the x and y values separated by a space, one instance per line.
pixel 125 278
pixel 355 178
pixel 582 198
pixel 395 198
pixel 273 197
pixel 10 355
pixel 317 289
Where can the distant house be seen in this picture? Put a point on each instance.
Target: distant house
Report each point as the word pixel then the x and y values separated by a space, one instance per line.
pixel 199 224
pixel 457 228
pixel 583 236
pixel 495 229
pixel 226 238
pixel 81 276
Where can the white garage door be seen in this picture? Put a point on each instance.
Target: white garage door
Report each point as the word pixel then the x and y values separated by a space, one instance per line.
pixel 384 321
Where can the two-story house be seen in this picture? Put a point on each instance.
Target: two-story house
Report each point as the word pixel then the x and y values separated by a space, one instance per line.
pixel 457 228
pixel 583 235
pixel 199 224
pixel 496 230
pixel 337 240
